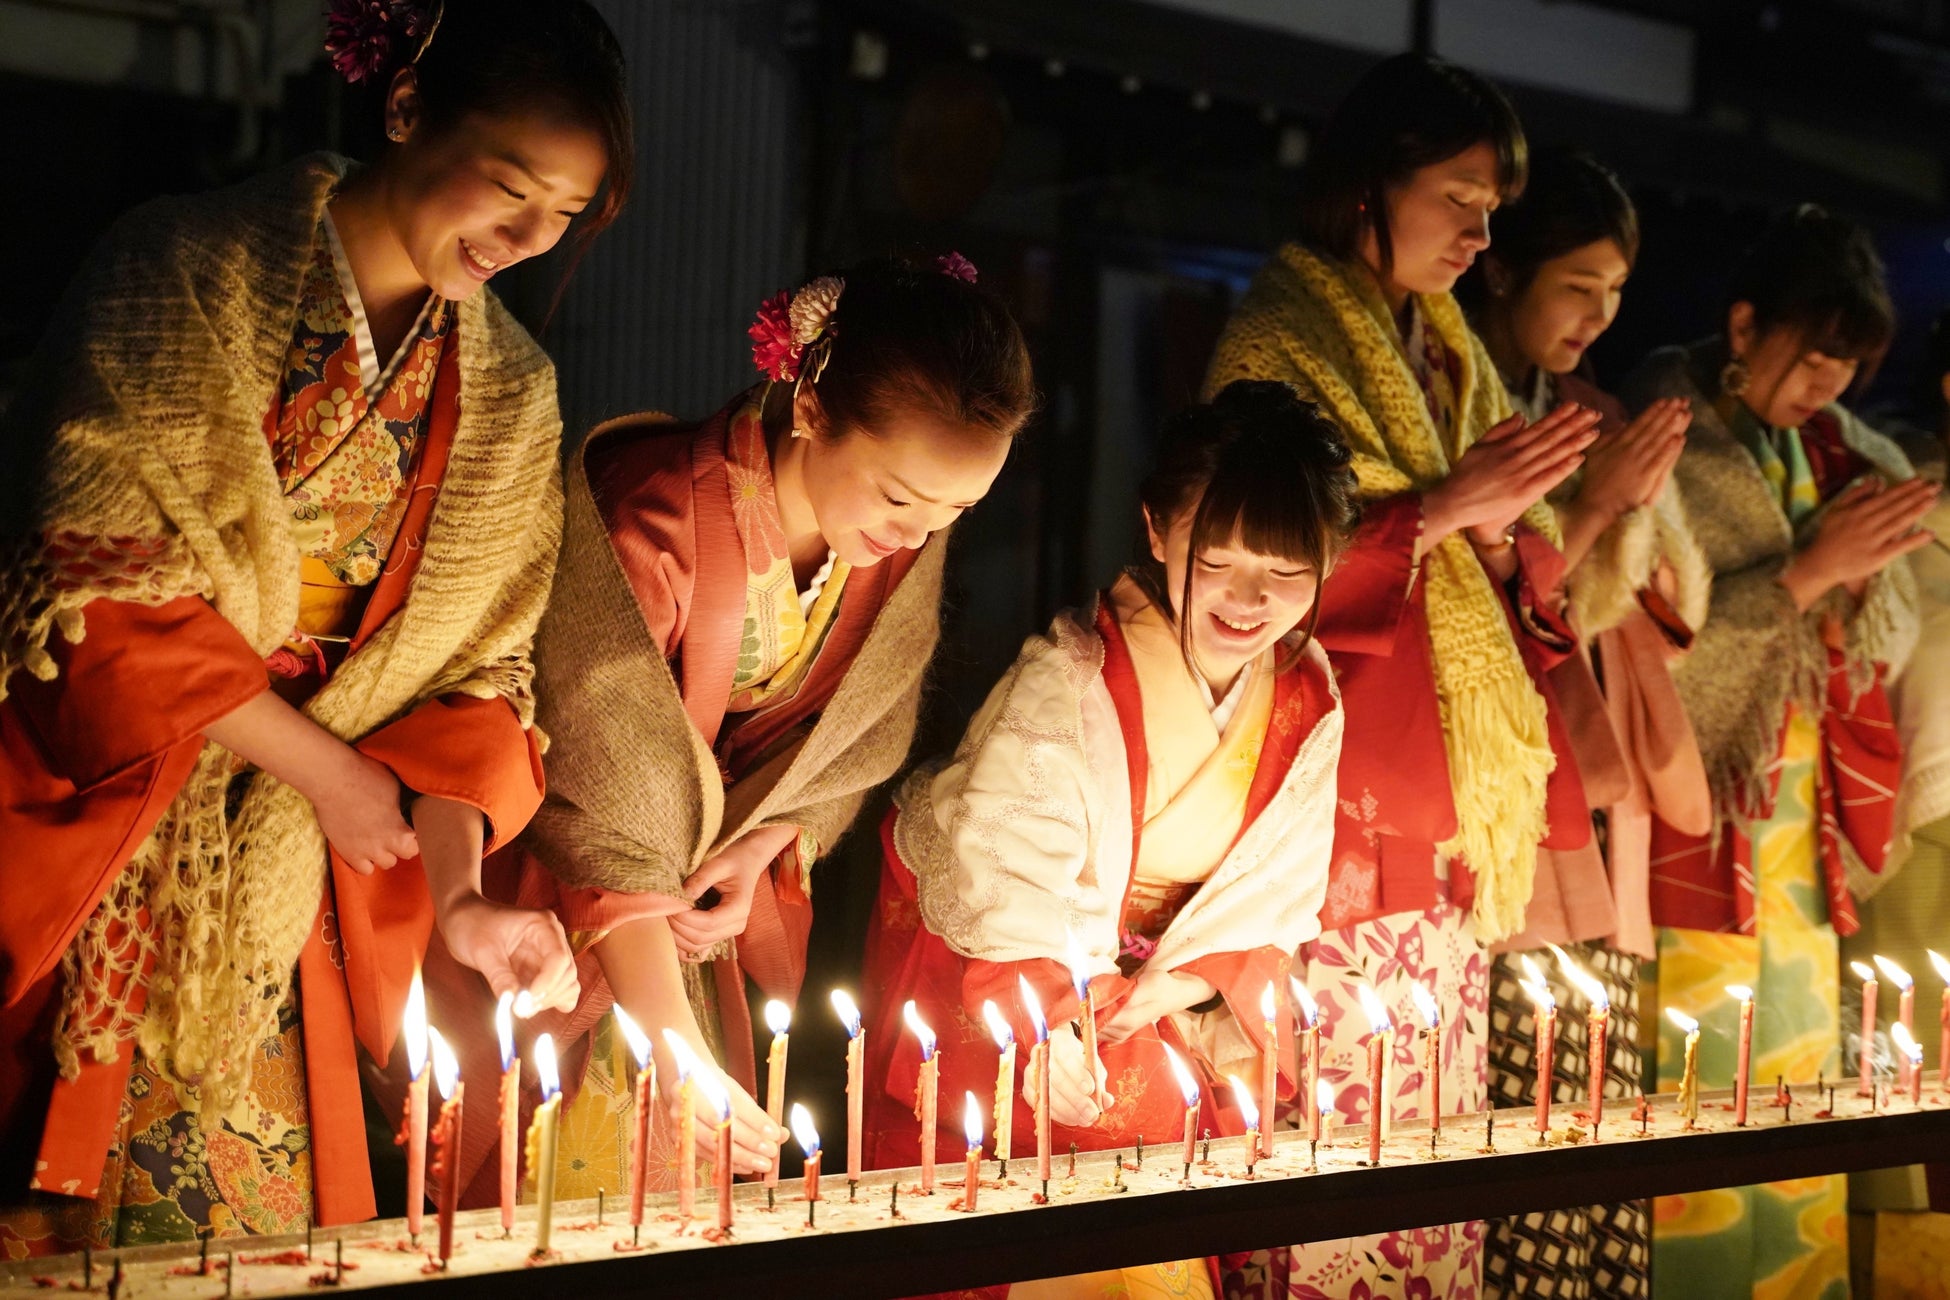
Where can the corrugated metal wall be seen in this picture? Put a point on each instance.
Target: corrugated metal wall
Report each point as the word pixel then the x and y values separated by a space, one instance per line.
pixel 656 315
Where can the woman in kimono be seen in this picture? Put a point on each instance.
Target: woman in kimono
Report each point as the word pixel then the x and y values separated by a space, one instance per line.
pixel 743 617
pixel 1150 788
pixel 1638 584
pixel 1803 513
pixel 1443 619
pixel 287 474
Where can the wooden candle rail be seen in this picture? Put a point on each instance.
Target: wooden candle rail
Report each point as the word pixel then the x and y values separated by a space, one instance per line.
pixel 856 1250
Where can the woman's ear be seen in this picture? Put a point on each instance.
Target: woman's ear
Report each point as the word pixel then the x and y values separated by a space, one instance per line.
pixel 1156 538
pixel 808 416
pixel 403 106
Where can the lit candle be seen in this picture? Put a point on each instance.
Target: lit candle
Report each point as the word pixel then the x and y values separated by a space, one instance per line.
pixel 808 1136
pixel 446 1138
pixel 1546 1011
pixel 1250 1113
pixel 1744 1057
pixel 510 1099
pixel 1866 1086
pixel 1380 1027
pixel 688 1068
pixel 856 1094
pixel 1943 1019
pixel 927 1088
pixel 971 1122
pixel 1086 1009
pixel 1309 1051
pixel 416 1104
pixel 541 1141
pixel 1269 1070
pixel 778 1017
pixel 1905 1011
pixel 1431 1053
pixel 1689 1077
pixel 643 1098
pixel 719 1101
pixel 1189 1087
pixel 1323 1106
pixel 1911 1053
pixel 1005 1082
pixel 1598 1025
pixel 1039 1069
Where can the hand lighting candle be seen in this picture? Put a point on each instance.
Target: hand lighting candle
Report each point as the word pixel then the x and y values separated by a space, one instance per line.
pixel 971 1123
pixel 1005 1082
pixel 1039 1070
pixel 1431 1053
pixel 778 1017
pixel 541 1141
pixel 446 1137
pixel 1905 1010
pixel 1744 1056
pixel 1250 1113
pixel 927 1090
pixel 415 1134
pixel 1866 1086
pixel 643 1098
pixel 856 1087
pixel 1269 1070
pixel 688 1069
pixel 1189 1087
pixel 1689 1077
pixel 1308 1052
pixel 510 1099
pixel 1380 1029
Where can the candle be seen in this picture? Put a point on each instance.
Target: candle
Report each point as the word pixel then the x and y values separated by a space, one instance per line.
pixel 416 1104
pixel 1250 1114
pixel 1689 1078
pixel 1546 1053
pixel 1269 1070
pixel 971 1123
pixel 718 1100
pixel 1309 1051
pixel 1431 1053
pixel 1189 1087
pixel 1865 1087
pixel 1323 1105
pixel 927 1088
pixel 1598 1025
pixel 1380 1027
pixel 541 1141
pixel 808 1136
pixel 510 1099
pixel 1943 1018
pixel 1005 1082
pixel 778 1017
pixel 688 1069
pixel 856 1095
pixel 643 1097
pixel 1905 1011
pixel 1911 1053
pixel 1039 1069
pixel 1086 1009
pixel 1744 1057
pixel 446 1138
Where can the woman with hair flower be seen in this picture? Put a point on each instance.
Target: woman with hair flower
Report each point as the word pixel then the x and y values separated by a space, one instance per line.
pixel 281 497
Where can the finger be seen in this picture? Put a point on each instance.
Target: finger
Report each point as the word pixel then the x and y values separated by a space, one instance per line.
pixel 1570 438
pixel 383 860
pixel 708 877
pixel 703 928
pixel 1503 429
pixel 361 865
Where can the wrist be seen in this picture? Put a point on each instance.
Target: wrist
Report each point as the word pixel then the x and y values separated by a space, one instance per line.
pixel 1486 537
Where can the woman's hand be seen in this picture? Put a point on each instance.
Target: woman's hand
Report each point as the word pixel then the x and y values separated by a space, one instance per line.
pixel 1629 469
pixel 734 873
pixel 755 1138
pixel 1504 473
pixel 516 950
pixel 1866 527
pixel 1155 995
pixel 1072 1093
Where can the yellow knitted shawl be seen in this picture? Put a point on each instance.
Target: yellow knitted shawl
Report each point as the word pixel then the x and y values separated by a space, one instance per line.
pixel 1324 328
pixel 139 470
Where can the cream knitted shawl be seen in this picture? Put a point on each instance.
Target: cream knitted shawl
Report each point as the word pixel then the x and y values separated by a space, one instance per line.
pixel 1755 655
pixel 143 424
pixel 1324 328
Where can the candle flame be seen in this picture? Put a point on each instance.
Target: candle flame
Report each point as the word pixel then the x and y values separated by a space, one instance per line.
pixel 803 1130
pixel 1905 1042
pixel 1863 970
pixel 1324 1096
pixel 971 1121
pixel 416 1025
pixel 1305 1001
pixel 1539 993
pixel 633 1033
pixel 1035 1009
pixel 1897 975
pixel 1685 1022
pixel 504 1028
pixel 1186 1083
pixel 712 1086
pixel 1244 1096
pixel 1269 1009
pixel 524 1004
pixel 688 1066
pixel 1425 1003
pixel 1378 1018
pixel 849 1014
pixel 1740 993
pixel 1594 992
pixel 778 1017
pixel 1074 958
pixel 1942 966
pixel 545 1066
pixel 920 1029
pixel 446 1070
pixel 1536 974
pixel 998 1025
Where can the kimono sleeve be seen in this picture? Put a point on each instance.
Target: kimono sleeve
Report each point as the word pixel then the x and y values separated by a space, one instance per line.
pixel 1368 594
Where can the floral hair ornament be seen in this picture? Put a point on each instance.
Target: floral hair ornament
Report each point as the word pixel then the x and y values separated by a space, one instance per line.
pixel 792 339
pixel 954 264
pixel 364 36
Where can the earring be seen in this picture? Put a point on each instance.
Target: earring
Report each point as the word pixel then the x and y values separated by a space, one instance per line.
pixel 1734 377
pixel 798 432
pixel 396 133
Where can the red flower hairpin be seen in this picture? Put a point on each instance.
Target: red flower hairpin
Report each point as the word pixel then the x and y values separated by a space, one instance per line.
pixel 365 37
pixel 790 324
pixel 956 265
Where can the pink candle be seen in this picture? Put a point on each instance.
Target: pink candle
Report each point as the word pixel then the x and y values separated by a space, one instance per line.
pixel 1866 1086
pixel 1039 1069
pixel 1911 1053
pixel 446 1138
pixel 808 1137
pixel 1247 1111
pixel 971 1122
pixel 856 1094
pixel 1431 1051
pixel 1943 1019
pixel 1188 1086
pixel 415 1135
pixel 927 1090
pixel 1905 1011
pixel 722 1101
pixel 1744 1060
pixel 510 1099
pixel 1546 1049
pixel 1380 1027
pixel 688 1070
pixel 642 1098
pixel 1598 1026
pixel 1309 1051
pixel 1269 1071
pixel 778 1017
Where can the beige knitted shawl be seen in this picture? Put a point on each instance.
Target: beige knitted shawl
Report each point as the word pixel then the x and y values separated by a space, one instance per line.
pixel 1754 654
pixel 635 799
pixel 1324 328
pixel 143 422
